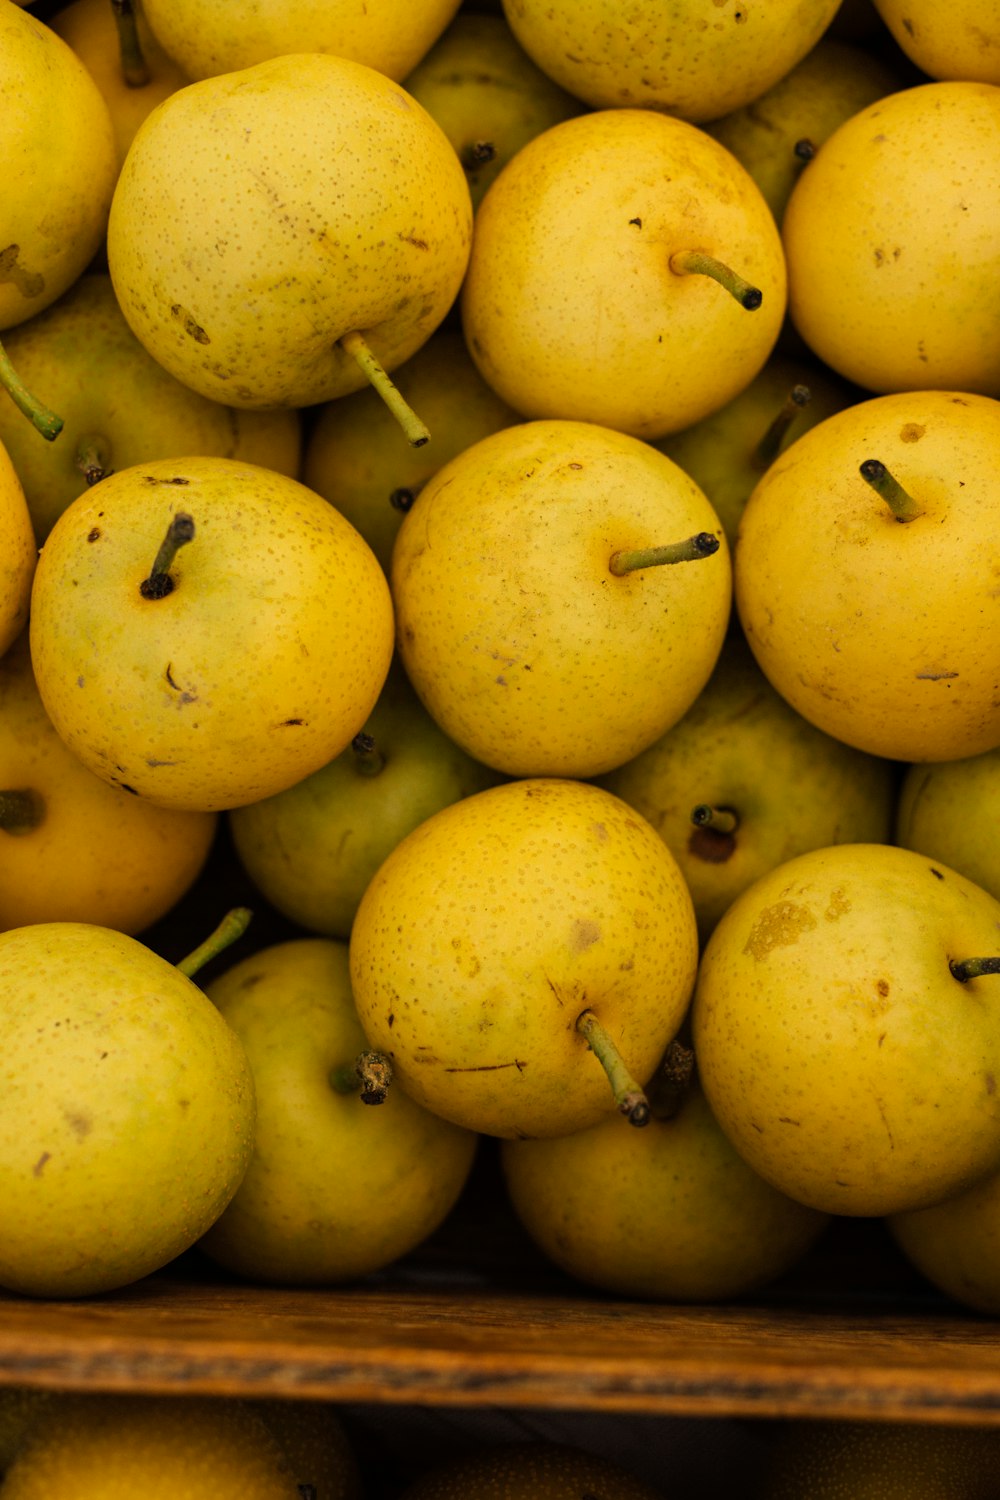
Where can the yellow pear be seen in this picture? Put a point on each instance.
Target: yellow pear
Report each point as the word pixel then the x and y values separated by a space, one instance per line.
pixel 60 166
pixel 337 1187
pixel 864 568
pixel 266 216
pixel 948 811
pixel 127 63
pixel 686 59
pixel 669 1213
pixel 75 849
pixel 562 591
pixel 845 1028
pixel 206 632
pixel 524 957
pixel 127 1117
pixel 320 1449
pixel 774 134
pixel 312 849
pixel 625 270
pixel 847 1460
pixel 727 451
pixel 109 1447
pixel 962 42
pixel 956 1244
pixel 487 95
pixel 353 456
pixel 118 406
pixel 20 553
pixel 221 36
pixel 891 245
pixel 743 782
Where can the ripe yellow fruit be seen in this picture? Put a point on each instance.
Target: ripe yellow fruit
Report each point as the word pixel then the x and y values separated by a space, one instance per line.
pixel 492 927
pixel 258 664
pixel 577 303
pixel 110 1447
pixel 891 242
pixel 525 645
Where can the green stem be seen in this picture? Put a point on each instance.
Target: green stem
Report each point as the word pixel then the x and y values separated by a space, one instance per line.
pixel 629 1095
pixel 134 69
pixel 44 420
pixel 91 458
pixel 370 1072
pixel 368 758
pixel 693 547
pixel 972 968
pixel 769 446
pixel 700 263
pixel 354 345
pixel 159 583
pixel 719 819
pixel 20 810
pixel 902 505
pixel 233 925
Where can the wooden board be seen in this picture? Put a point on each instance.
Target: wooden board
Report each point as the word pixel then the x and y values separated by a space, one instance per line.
pixel 470 1348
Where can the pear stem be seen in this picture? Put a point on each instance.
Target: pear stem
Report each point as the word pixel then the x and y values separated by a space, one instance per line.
pixel 972 968
pixel 91 458
pixel 700 263
pixel 134 69
pixel 693 547
pixel 233 925
pixel 477 154
pixel 368 758
pixel 370 1072
pixel 719 819
pixel 159 583
pixel 415 430
pixel 769 446
pixel 902 505
pixel 44 420
pixel 20 810
pixel 629 1095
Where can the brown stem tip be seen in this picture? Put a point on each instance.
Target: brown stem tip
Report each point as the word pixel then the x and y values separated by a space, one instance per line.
pixel 972 968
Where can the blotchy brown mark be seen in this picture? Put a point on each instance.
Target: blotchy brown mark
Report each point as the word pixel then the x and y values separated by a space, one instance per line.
pixel 411 239
pixel 711 845
pixel 189 324
pixel 911 432
pixel 28 283
pixel 778 926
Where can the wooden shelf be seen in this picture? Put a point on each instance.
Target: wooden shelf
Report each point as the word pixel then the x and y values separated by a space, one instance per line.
pixel 470 1348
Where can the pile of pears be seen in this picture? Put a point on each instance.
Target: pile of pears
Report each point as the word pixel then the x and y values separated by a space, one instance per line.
pixel 516 485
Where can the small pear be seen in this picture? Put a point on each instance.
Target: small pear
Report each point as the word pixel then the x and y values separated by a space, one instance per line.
pixel 118 406
pixel 486 93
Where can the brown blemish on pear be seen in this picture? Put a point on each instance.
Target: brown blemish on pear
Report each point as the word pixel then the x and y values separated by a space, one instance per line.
pixel 778 926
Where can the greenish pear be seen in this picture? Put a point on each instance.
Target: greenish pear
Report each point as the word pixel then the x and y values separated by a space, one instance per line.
pixel 948 810
pixel 353 456
pixel 776 133
pixel 743 782
pixel 118 406
pixel 487 94
pixel 312 849
pixel 669 1213
pixel 727 451
pixel 127 1119
pixel 337 1187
